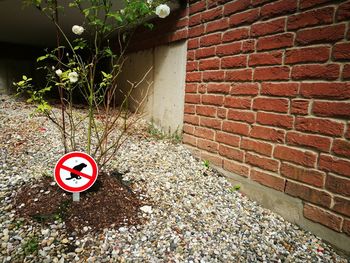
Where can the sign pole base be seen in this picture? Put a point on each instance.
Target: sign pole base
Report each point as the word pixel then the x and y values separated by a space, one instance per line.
pixel 76 197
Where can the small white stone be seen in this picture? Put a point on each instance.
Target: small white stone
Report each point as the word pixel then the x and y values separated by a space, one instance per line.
pixel 146 209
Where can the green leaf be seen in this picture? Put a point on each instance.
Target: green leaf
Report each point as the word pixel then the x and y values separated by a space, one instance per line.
pixel 24 77
pixel 42 58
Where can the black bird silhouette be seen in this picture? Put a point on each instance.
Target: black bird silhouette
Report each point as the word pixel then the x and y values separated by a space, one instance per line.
pixel 78 168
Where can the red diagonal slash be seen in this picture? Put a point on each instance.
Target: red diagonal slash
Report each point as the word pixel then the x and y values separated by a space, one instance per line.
pixel 75 172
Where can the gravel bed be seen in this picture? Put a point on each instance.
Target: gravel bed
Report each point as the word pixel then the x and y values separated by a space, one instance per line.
pixel 194 215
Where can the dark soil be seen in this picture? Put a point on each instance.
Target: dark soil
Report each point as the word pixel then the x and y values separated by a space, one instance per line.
pixel 108 202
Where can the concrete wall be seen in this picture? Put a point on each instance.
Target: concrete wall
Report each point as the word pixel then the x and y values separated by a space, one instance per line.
pixel 166 80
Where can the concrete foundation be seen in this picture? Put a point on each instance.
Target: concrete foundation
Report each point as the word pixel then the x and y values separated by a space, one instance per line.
pixel 289 208
pixel 164 105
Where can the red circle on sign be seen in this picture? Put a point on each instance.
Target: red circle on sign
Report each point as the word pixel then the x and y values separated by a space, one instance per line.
pixel 60 166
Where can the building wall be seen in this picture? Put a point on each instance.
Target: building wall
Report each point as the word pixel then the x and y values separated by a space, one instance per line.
pixel 267 97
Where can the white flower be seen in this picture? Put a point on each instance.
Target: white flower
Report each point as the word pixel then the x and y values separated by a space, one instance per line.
pixel 162 10
pixel 73 77
pixel 78 30
pixel 122 11
pixel 58 72
pixel 53 68
pixel 149 2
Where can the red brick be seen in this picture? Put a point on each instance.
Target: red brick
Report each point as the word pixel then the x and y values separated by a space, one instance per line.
pixel 341 206
pixel 213 99
pixel 256 146
pixel 347 133
pixel 326 34
pixel 248 46
pixel 195 19
pixel 261 162
pixel 178 35
pixel 315 71
pixel 308 176
pixel 244 17
pixel 317 125
pixel 212 158
pixel 218 88
pixel 307 54
pixel 191 119
pixel 205 52
pixel 308 194
pixel 210 40
pixel 209 64
pixel 332 109
pixel 231 153
pixel 341 51
pixel 207 145
pixel 236 6
pixel 237 168
pixel 307 140
pixel 192 98
pixel 210 123
pixel 190 55
pixel 268 180
pixel 343 12
pixel 196 31
pixel 346 226
pixel 251 89
pixel 238 103
pixel 260 2
pixel 235 127
pixel 271 73
pixel 311 3
pixel 332 164
pixel 204 133
pixel 273 119
pixel 191 88
pixel 305 158
pixel 188 139
pixel 197 7
pixel 338 185
pixel 267 133
pixel 234 62
pixel 323 217
pixel 271 104
pixel 238 115
pixel 346 71
pixel 341 147
pixel 239 75
pixel 213 76
pixel 235 34
pixel 222 113
pixel 321 90
pixel 191 66
pixel 190 109
pixel 188 129
pixel 268 58
pixel 206 110
pixel 267 28
pixel 193 76
pixel 228 139
pixel 230 49
pixel 278 8
pixel 217 25
pixel 316 17
pixel 212 14
pixel 276 41
pixel 300 107
pixel 202 88
pixel 284 89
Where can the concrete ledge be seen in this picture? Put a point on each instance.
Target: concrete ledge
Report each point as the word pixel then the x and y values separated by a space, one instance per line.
pixel 289 208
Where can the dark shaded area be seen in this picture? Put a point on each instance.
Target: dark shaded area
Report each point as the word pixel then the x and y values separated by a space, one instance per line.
pixel 107 203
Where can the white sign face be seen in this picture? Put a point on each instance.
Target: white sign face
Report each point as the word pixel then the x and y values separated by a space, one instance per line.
pixel 76 172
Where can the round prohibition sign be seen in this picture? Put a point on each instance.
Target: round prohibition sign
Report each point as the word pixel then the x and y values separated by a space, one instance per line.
pixel 76 172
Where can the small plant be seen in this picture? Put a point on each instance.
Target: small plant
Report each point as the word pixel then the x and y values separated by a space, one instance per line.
pixel 158 134
pixel 206 163
pixel 234 188
pixel 31 246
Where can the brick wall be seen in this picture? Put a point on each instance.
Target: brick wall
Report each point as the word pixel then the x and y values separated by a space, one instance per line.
pixel 267 97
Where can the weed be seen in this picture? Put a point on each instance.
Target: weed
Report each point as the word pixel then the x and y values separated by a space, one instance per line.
pixel 31 246
pixel 206 163
pixel 236 187
pixel 175 137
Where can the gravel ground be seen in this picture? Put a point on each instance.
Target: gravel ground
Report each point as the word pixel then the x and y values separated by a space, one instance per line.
pixel 196 216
